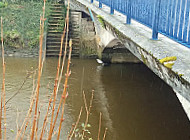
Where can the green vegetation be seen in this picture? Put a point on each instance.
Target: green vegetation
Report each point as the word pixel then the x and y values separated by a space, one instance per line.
pixel 180 75
pixel 21 22
pixel 3 4
pixel 78 132
pixel 101 20
pixel 61 26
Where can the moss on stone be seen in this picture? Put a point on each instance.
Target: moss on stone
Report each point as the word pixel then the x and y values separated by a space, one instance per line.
pixel 119 34
pixel 143 58
pixel 101 20
pixel 180 75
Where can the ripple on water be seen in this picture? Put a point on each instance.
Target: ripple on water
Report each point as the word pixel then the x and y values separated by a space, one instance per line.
pixel 135 104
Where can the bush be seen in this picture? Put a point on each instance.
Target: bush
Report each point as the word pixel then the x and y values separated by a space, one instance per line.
pixel 3 4
pixel 13 39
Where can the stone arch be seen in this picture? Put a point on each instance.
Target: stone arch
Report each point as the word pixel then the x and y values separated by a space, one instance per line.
pixel 113 43
pixel 115 52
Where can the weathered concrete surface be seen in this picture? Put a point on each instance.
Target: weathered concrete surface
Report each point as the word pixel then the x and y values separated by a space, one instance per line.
pixel 108 45
pixel 137 38
pixel 88 48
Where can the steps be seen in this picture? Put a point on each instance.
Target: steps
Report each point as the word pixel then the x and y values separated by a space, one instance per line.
pixel 78 25
pixel 74 29
pixel 55 30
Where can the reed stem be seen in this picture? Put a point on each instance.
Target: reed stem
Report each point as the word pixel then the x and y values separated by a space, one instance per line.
pixel 64 94
pixel 87 111
pixel 100 123
pixel 28 116
pixel 70 132
pixel 66 29
pixel 58 77
pixel 39 72
pixel 25 80
pixel 36 131
pixel 45 119
pixel 3 84
pixel 105 134
pixel 76 124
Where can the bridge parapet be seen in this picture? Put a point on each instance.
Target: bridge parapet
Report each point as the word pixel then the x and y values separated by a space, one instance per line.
pixel 170 18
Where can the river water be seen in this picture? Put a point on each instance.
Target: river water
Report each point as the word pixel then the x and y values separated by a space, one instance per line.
pixel 135 104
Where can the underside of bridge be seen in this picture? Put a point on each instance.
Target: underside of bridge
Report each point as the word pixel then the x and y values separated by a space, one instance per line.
pixel 114 36
pixel 118 54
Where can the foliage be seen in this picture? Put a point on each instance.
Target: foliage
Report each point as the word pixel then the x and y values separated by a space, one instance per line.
pixel 12 39
pixel 61 26
pixel 3 4
pixel 21 18
pixel 101 20
pixel 79 131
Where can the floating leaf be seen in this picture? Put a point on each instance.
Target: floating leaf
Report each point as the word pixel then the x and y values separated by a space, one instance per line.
pixel 12 130
pixel 82 124
pixel 77 130
pixel 88 132
pixel 88 125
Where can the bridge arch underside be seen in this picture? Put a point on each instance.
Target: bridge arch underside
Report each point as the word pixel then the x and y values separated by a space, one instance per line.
pixel 116 52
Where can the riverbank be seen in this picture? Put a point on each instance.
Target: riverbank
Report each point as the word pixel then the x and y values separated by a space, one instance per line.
pixel 21 23
pixel 21 52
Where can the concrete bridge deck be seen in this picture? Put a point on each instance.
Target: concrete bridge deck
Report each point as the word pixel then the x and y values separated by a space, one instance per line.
pixel 137 39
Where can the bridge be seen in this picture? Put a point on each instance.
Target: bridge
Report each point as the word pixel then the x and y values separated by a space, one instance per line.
pixel 156 32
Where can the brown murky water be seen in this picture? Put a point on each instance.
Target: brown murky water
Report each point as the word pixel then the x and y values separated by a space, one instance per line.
pixel 136 104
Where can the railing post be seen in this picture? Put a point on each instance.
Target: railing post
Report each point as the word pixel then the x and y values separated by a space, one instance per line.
pixel 100 3
pixel 111 7
pixel 155 22
pixel 188 39
pixel 92 1
pixel 128 6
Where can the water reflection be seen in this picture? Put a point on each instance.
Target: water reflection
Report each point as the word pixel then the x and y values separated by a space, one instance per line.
pixel 136 105
pixel 144 106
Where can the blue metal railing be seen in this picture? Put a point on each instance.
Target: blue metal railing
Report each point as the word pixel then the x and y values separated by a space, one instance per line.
pixel 169 17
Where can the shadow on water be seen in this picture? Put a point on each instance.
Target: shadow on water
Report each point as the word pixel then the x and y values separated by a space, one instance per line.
pixel 142 106
pixel 136 104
